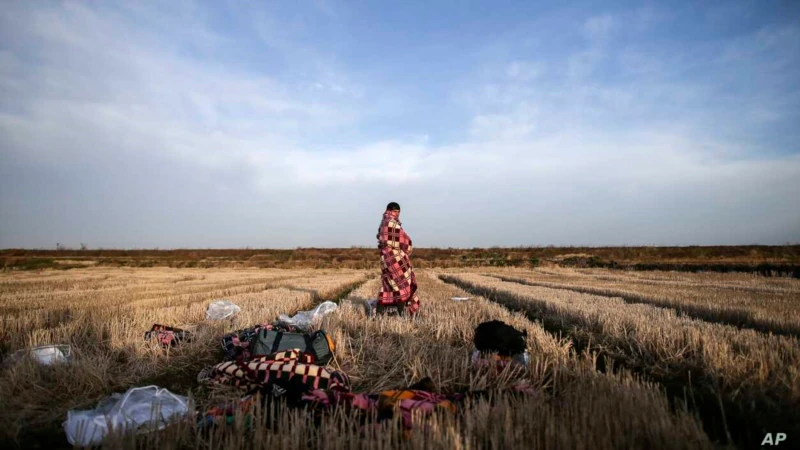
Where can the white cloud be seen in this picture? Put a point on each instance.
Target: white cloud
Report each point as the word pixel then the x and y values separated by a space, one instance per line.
pixel 546 158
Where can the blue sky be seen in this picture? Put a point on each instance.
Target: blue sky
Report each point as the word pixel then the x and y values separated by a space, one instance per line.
pixel 232 124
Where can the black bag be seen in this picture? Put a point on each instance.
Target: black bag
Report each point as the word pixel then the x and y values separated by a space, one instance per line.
pixel 319 344
pixel 498 336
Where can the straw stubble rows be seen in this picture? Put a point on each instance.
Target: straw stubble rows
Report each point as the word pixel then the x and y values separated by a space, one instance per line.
pixel 739 379
pixel 103 313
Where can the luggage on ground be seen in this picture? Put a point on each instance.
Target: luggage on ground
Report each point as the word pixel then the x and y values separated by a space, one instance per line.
pixel 319 344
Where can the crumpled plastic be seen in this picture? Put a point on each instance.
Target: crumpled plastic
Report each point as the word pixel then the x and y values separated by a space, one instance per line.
pixel 372 307
pixel 45 355
pixel 305 319
pixel 222 309
pixel 143 409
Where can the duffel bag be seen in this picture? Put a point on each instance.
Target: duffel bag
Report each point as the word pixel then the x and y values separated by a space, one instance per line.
pixel 318 344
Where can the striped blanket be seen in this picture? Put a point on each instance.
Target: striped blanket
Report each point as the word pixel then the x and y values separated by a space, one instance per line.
pixel 398 282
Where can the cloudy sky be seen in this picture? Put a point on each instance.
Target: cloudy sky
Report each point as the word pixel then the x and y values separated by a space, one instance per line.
pixel 284 124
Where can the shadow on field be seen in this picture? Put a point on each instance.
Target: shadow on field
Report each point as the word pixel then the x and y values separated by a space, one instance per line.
pixel 743 421
pixel 739 318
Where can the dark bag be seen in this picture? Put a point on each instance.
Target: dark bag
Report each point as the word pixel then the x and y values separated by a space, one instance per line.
pixel 319 344
pixel 498 336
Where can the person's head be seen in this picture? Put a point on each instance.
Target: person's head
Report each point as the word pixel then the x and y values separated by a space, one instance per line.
pixel 393 207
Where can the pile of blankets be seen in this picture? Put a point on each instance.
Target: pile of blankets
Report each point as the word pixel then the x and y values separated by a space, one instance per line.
pixel 294 378
pixel 378 407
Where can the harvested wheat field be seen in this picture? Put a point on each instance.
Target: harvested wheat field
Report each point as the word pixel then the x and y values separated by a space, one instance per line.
pixel 618 360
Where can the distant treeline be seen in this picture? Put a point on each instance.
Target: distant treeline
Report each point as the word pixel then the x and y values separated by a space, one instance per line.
pixel 781 259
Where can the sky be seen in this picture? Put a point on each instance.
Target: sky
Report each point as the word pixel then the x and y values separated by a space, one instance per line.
pixel 230 124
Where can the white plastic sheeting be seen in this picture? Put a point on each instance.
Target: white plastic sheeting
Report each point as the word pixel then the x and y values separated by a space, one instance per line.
pixel 222 309
pixel 142 409
pixel 305 319
pixel 45 355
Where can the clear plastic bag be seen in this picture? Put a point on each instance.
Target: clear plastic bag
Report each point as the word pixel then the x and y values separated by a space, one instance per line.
pixel 143 409
pixel 45 355
pixel 305 319
pixel 222 309
pixel 372 307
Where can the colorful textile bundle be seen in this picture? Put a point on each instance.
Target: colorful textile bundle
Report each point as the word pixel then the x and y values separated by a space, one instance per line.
pixel 398 282
pixel 369 407
pixel 384 404
pixel 166 336
pixel 225 414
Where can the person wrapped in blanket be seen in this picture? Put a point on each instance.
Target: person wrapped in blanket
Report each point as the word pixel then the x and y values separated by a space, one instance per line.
pixel 398 282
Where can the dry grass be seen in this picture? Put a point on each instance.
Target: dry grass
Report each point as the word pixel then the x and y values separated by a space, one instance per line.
pixel 103 313
pixel 743 300
pixel 755 375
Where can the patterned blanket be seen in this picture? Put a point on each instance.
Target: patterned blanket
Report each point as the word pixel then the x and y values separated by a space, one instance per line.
pixel 398 282
pixel 291 372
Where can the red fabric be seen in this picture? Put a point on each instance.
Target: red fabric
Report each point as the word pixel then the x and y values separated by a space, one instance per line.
pixel 398 281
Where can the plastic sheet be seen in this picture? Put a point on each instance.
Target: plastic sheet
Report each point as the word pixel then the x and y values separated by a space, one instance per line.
pixel 143 409
pixel 305 319
pixel 222 309
pixel 45 355
pixel 460 299
pixel 372 307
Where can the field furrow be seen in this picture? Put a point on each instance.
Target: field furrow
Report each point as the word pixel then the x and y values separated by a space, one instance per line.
pixel 568 412
pixel 772 308
pixel 388 352
pixel 755 375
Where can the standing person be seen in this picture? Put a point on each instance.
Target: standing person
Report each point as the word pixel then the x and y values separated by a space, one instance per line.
pixel 398 282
